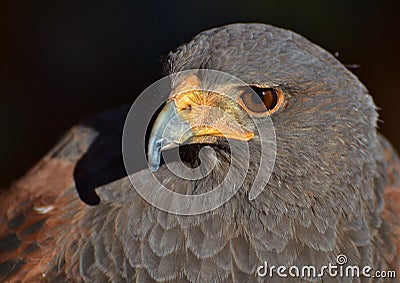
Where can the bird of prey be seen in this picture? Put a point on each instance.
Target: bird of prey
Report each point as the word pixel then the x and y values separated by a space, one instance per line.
pixel 334 188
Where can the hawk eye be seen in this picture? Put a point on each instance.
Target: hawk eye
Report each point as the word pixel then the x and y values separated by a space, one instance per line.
pixel 261 100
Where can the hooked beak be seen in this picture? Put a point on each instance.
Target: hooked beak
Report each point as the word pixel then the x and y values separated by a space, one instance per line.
pixel 174 127
pixel 169 130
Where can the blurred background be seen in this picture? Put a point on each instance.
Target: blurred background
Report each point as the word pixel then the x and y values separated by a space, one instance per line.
pixel 62 61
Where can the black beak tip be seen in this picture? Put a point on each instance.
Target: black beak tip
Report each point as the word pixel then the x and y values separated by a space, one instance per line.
pixel 154 168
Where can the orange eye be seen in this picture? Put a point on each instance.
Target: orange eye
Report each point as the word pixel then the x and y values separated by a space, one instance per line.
pixel 261 100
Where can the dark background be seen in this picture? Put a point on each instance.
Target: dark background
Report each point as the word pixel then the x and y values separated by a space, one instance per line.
pixel 63 61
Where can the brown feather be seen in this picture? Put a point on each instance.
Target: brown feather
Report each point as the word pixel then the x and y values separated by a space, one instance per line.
pixel 320 200
pixel 391 211
pixel 40 208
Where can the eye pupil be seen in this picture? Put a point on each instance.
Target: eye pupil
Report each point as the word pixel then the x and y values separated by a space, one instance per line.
pixel 270 98
pixel 261 100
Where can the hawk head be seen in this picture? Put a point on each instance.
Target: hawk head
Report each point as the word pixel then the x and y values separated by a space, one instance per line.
pixel 323 117
pixel 328 165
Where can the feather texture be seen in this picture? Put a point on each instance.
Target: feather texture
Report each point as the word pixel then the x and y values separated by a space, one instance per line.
pixel 335 188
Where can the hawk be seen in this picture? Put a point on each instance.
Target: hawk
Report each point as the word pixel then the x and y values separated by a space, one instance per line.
pixel 334 188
